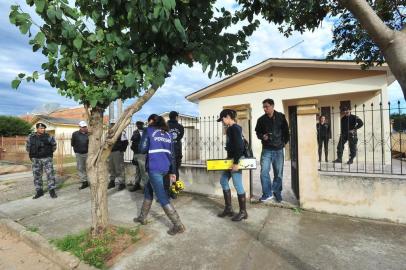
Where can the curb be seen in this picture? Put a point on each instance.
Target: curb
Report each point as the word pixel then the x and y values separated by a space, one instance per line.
pixel 64 260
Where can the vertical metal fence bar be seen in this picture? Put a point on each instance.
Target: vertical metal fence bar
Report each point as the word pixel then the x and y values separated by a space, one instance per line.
pixel 200 140
pixel 400 143
pixel 373 138
pixel 390 140
pixel 356 153
pixel 214 138
pixel 382 141
pixel 333 135
pixel 365 141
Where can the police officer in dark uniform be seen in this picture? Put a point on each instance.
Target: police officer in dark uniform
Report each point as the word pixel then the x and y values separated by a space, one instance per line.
pixel 349 125
pixel 177 131
pixel 116 162
pixel 138 158
pixel 40 147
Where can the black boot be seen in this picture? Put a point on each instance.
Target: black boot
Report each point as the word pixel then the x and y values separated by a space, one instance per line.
pixel 112 184
pixel 39 193
pixel 243 211
pixel 121 186
pixel 84 185
pixel 228 209
pixel 174 217
pixel 338 160
pixel 350 161
pixel 142 218
pixel 136 187
pixel 52 193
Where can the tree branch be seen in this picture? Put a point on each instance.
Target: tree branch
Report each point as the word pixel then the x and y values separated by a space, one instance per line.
pixel 381 34
pixel 121 124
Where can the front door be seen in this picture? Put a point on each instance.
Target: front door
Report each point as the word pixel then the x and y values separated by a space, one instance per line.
pixel 294 150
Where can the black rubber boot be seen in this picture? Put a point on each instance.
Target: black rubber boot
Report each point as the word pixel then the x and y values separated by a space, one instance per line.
pixel 136 187
pixel 52 194
pixel 338 160
pixel 142 218
pixel 39 193
pixel 84 185
pixel 111 185
pixel 121 187
pixel 228 208
pixel 243 211
pixel 350 161
pixel 174 217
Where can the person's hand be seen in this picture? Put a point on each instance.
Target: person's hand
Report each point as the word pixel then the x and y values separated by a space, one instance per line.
pixel 172 178
pixel 265 137
pixel 234 168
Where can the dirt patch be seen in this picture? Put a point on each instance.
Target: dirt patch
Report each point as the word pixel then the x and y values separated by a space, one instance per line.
pixel 6 169
pixel 16 255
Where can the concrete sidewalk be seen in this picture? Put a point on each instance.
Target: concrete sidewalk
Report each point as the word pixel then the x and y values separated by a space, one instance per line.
pixel 272 238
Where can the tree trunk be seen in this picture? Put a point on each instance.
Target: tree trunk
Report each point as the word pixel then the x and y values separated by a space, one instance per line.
pixel 98 152
pixel 97 173
pixel 391 42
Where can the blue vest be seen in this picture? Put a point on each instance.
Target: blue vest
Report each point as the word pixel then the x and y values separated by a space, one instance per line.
pixel 159 149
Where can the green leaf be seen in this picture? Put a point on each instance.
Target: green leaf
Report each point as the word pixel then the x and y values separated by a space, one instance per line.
pixel 179 27
pixel 39 5
pixel 110 21
pixel 25 27
pixel 157 10
pixel 77 42
pixel 21 75
pixel 15 84
pixel 93 102
pixel 35 75
pixel 40 39
pixel 51 14
pixel 100 73
pixel 53 47
pixel 169 4
pixel 122 54
pixel 100 35
pixel 129 80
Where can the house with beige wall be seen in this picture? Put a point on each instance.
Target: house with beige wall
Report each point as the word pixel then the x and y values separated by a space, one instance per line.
pixel 289 81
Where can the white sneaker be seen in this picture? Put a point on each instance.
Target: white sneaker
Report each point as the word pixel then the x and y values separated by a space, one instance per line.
pixel 266 199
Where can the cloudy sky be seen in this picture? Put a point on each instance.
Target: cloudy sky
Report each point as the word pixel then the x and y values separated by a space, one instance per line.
pixel 16 56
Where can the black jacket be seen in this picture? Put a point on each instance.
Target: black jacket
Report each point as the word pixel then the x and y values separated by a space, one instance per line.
pixel 80 142
pixel 40 146
pixel 323 131
pixel 121 144
pixel 177 131
pixel 234 143
pixel 135 141
pixel 276 128
pixel 351 122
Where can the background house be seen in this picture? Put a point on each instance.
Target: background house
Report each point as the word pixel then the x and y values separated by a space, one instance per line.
pixel 290 81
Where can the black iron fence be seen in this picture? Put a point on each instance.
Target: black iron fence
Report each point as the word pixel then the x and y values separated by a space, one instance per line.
pixel 204 138
pixel 380 142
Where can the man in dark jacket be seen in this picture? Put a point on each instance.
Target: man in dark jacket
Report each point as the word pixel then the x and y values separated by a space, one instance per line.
pixel 40 147
pixel 116 161
pixel 80 144
pixel 349 125
pixel 177 131
pixel 273 131
pixel 138 158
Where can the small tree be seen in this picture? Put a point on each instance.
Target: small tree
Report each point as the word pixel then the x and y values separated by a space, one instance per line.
pixel 14 126
pixel 102 50
pixel 373 31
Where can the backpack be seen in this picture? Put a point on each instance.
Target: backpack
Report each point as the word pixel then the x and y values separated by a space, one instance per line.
pixel 247 148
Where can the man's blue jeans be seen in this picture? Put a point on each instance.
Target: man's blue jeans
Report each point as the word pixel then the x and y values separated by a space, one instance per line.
pixel 276 158
pixel 156 184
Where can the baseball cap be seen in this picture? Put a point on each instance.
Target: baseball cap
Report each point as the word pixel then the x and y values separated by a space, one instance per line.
pixel 82 124
pixel 40 125
pixel 226 112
